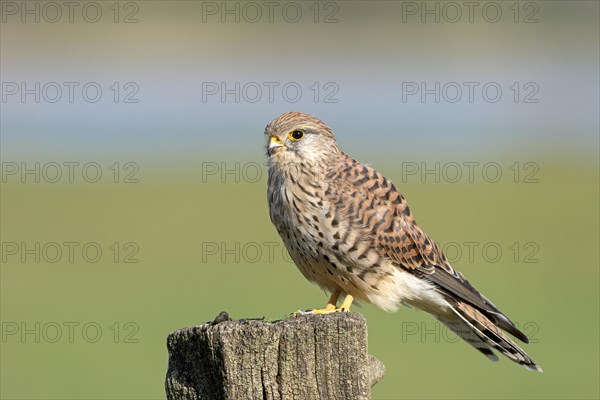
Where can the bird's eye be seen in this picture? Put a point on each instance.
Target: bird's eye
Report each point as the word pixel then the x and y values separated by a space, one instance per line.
pixel 296 135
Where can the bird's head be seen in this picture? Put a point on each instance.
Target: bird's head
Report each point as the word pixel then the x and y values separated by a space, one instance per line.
pixel 294 138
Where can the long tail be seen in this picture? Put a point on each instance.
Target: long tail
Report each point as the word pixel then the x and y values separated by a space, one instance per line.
pixel 480 332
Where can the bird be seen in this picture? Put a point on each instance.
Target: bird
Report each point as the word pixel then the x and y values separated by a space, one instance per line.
pixel 349 230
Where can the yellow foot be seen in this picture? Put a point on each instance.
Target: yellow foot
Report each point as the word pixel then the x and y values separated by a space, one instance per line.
pixel 329 308
pixel 317 311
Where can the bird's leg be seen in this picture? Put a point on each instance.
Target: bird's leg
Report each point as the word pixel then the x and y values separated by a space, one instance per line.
pixel 332 303
pixel 345 306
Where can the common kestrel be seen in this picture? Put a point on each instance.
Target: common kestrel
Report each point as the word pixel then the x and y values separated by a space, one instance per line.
pixel 349 230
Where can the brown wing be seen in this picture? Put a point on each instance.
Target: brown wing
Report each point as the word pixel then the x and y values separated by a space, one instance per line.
pixel 401 240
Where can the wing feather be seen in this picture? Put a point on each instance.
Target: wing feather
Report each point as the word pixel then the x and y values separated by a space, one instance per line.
pixel 399 238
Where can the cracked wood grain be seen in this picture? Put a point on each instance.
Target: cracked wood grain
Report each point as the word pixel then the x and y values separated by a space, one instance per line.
pixel 308 357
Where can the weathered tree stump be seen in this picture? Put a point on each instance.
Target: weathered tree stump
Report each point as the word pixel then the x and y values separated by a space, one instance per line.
pixel 303 358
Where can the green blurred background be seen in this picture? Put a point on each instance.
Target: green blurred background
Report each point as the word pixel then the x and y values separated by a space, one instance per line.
pixel 184 228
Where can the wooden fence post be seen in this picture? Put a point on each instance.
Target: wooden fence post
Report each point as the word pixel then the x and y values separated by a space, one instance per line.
pixel 309 357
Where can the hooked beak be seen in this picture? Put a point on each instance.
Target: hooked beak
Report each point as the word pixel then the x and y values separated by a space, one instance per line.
pixel 275 146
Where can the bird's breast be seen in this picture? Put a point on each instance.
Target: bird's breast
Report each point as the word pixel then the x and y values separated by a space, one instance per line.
pixel 328 246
